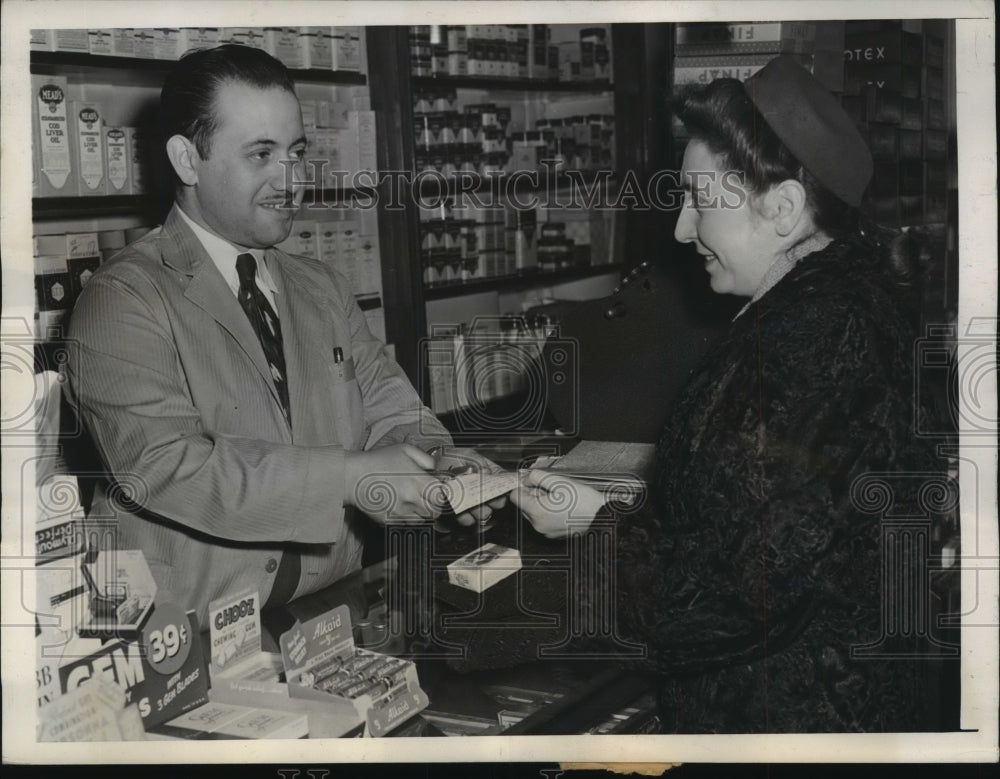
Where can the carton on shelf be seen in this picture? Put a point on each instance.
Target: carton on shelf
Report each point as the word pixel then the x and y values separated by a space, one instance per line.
pixel 51 123
pixel 87 131
pixel 117 161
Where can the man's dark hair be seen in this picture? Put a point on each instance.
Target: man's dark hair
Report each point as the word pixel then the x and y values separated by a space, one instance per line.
pixel 187 100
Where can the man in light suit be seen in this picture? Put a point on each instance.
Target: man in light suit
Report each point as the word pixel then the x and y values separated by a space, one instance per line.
pixel 241 406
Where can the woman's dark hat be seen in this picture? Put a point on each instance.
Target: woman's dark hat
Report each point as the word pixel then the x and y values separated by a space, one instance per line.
pixel 807 118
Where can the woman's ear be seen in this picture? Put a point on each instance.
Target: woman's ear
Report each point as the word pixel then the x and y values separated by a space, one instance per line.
pixel 785 205
pixel 184 159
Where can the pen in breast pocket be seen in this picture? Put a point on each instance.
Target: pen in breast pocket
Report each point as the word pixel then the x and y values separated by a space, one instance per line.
pixel 338 363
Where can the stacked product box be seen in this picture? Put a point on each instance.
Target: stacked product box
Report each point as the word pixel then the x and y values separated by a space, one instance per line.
pixel 706 51
pixel 511 51
pixel 321 48
pixel 63 264
pixel 74 152
pixel 894 92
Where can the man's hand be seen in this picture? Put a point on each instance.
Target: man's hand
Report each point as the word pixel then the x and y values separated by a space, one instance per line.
pixel 461 460
pixel 393 484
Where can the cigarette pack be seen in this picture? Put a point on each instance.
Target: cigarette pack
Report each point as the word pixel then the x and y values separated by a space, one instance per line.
pixel 123 42
pixel 167 43
pixel 101 41
pixel 282 43
pixel 322 664
pixel 50 119
pixel 144 43
pixel 81 245
pixel 346 48
pixel 71 40
pixel 117 161
pixel 197 38
pixel 482 568
pixel 316 48
pixel 42 40
pixel 80 270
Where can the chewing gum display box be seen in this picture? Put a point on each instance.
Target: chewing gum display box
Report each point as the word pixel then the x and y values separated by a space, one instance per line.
pixel 481 568
pixel 322 664
pixel 236 641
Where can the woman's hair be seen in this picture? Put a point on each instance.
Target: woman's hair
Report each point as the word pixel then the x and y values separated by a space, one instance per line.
pixel 721 115
pixel 187 100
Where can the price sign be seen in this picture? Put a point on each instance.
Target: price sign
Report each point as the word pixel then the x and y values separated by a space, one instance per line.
pixel 167 638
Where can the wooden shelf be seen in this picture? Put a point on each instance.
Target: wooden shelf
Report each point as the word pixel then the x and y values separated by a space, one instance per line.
pixel 522 281
pixel 510 84
pixel 150 72
pixel 430 185
pixel 97 206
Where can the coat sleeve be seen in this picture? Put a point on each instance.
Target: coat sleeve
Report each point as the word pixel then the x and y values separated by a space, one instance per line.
pixel 394 412
pixel 127 383
pixel 763 534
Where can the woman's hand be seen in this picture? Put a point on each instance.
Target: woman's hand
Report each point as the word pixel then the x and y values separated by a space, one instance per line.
pixel 555 505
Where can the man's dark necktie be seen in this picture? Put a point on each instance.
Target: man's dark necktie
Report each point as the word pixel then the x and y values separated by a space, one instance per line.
pixel 265 323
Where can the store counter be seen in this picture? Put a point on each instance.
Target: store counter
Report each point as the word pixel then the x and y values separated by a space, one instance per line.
pixel 459 640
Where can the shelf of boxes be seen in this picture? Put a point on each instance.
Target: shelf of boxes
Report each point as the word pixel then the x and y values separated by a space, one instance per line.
pixel 91 163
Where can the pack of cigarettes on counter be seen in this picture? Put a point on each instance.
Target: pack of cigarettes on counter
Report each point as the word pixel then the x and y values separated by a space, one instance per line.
pixel 482 568
pixel 122 590
pixel 322 664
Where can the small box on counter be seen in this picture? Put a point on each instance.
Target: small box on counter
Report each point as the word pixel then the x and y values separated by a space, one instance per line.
pixel 41 40
pixel 80 270
pixel 482 568
pixel 316 48
pixel 167 43
pixel 346 48
pixel 71 40
pixel 282 43
pixel 123 42
pixel 323 665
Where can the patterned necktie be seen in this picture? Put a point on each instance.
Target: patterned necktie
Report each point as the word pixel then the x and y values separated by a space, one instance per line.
pixel 265 323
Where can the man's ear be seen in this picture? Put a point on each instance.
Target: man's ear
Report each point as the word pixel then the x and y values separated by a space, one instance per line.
pixel 785 204
pixel 184 158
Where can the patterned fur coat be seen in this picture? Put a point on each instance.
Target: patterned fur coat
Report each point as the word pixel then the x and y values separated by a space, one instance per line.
pixel 768 519
pixel 754 574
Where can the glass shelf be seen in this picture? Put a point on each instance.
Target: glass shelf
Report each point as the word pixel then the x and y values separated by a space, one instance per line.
pixel 511 84
pixel 521 281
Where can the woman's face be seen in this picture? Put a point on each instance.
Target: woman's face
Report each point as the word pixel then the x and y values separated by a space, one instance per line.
pixel 719 217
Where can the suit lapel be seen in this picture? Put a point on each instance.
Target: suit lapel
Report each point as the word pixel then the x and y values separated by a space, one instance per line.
pixel 208 290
